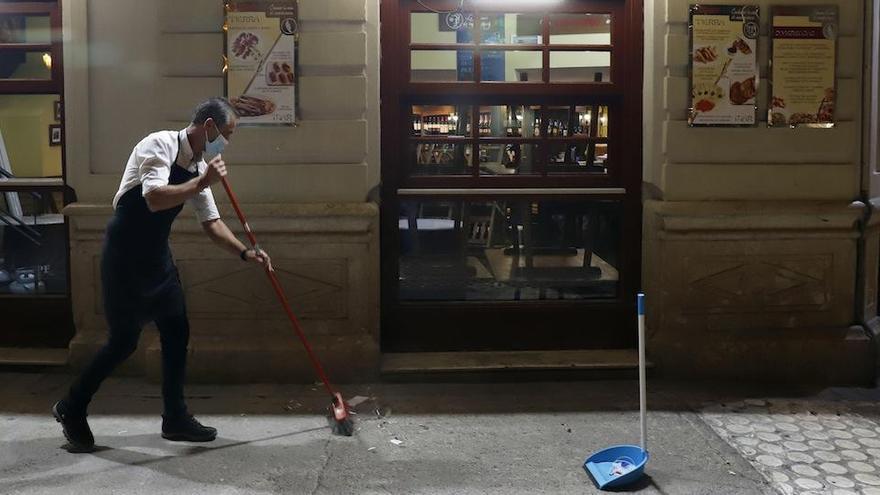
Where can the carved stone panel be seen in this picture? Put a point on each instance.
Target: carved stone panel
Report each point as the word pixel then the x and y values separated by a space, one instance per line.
pixel 751 284
pixel 316 289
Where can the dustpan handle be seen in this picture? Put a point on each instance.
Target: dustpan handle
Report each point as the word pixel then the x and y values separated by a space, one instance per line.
pixel 642 386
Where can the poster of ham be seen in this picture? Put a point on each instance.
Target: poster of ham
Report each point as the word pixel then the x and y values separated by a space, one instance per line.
pixel 723 65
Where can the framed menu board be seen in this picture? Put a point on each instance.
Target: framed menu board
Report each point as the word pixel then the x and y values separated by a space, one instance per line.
pixel 260 49
pixel 724 65
pixel 803 64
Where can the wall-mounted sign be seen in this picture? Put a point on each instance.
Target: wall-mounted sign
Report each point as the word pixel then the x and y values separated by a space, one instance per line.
pixel 455 21
pixel 261 61
pixel 803 66
pixel 724 65
pixel 492 64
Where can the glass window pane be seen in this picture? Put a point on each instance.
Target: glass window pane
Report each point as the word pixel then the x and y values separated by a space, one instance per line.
pixel 19 28
pixel 580 29
pixel 20 64
pixel 572 120
pixel 429 27
pixel 27 124
pixel 441 120
pixel 33 245
pixel 511 66
pixel 505 121
pixel 440 158
pixel 516 29
pixel 508 249
pixel 441 65
pixel 509 158
pixel 577 66
pixel 578 156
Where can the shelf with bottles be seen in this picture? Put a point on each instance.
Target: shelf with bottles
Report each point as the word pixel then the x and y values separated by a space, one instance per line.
pixel 509 121
pixel 576 121
pixel 441 121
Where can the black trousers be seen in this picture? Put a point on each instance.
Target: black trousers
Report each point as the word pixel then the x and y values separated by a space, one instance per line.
pixel 167 308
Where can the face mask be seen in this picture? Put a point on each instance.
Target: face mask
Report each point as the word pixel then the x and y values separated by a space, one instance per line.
pixel 215 147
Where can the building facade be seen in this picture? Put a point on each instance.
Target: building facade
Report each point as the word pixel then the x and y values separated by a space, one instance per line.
pixel 414 210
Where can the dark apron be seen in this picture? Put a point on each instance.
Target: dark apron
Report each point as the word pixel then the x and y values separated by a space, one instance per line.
pixel 137 270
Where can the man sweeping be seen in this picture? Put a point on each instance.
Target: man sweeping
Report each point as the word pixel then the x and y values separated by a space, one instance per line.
pixel 140 281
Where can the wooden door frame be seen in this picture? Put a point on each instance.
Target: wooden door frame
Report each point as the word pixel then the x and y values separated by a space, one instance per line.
pixel 394 74
pixel 41 320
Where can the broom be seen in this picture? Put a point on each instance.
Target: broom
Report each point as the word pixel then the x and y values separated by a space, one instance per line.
pixel 342 421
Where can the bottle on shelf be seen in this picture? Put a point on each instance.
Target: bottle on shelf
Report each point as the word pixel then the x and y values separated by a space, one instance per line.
pixel 444 125
pixel 563 129
pixel 508 131
pixel 536 127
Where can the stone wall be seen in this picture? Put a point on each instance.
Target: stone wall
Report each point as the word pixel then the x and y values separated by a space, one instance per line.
pixel 751 234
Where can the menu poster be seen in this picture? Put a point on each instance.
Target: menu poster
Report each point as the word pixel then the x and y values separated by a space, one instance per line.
pixel 803 66
pixel 724 65
pixel 261 61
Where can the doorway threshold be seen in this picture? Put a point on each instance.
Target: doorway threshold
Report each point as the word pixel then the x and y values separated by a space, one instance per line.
pixel 33 356
pixel 420 363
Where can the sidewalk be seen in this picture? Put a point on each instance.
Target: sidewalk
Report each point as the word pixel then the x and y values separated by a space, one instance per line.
pixel 499 438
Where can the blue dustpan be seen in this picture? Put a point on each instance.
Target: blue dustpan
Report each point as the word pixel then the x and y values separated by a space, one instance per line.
pixel 617 466
pixel 622 465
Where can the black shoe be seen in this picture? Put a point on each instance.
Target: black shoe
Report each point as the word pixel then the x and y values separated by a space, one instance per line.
pixel 76 428
pixel 186 428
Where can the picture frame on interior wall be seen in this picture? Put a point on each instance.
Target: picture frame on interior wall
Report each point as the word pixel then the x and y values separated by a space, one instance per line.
pixel 57 109
pixel 55 135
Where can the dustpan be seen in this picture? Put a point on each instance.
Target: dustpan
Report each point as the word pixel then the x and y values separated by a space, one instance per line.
pixel 621 465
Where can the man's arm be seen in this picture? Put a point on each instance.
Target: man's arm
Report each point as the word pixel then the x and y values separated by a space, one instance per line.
pixel 169 196
pixel 223 237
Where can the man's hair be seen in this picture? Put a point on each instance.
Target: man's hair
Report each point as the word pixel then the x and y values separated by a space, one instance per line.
pixel 216 108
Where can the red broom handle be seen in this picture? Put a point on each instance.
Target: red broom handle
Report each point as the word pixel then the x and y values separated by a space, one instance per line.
pixel 278 290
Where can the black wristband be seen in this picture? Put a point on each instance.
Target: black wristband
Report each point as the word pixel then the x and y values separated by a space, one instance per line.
pixel 243 254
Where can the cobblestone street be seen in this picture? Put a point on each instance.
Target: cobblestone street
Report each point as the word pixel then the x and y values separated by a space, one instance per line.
pixel 805 447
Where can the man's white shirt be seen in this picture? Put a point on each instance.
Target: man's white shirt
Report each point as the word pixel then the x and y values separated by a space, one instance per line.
pixel 150 165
